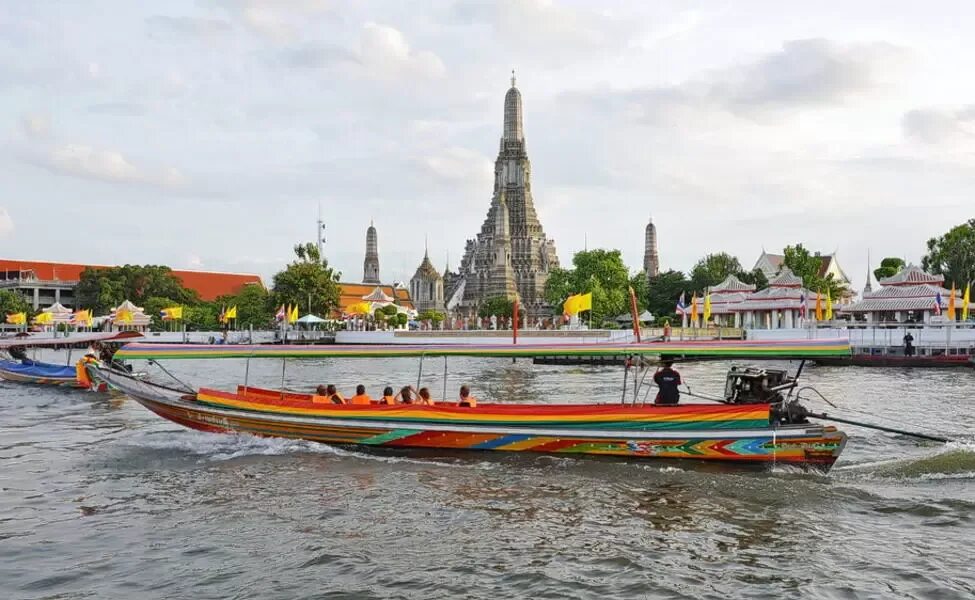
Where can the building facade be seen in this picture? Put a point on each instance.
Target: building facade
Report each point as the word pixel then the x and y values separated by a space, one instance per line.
pixel 910 296
pixel 426 287
pixel 511 256
pixel 370 266
pixel 771 264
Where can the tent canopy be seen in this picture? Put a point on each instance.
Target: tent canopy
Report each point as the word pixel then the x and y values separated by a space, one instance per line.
pixel 310 319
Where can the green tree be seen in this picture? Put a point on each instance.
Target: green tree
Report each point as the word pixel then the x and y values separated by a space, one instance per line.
pixel 953 255
pixel 600 272
pixel 253 304
pixel 308 282
pixel 807 266
pixel 640 286
pixel 12 302
pixel 889 267
pixel 754 277
pixel 203 316
pixel 104 289
pixel 499 306
pixel 402 319
pixel 663 292
pixel 713 269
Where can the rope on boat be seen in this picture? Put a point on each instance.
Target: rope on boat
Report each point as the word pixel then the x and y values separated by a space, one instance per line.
pixel 186 387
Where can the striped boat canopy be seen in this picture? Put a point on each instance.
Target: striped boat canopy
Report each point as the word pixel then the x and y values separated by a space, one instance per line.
pixel 698 349
pixel 71 340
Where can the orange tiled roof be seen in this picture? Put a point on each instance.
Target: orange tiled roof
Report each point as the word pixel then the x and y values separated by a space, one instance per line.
pixel 351 293
pixel 209 285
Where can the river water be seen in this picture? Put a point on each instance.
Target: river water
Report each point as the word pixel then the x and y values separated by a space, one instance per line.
pixel 101 499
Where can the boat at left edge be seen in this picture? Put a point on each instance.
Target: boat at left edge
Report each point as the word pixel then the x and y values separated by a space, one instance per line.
pixel 16 367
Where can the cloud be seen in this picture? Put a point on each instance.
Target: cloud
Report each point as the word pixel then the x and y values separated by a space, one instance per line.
pixel 940 125
pixel 278 20
pixel 119 109
pixel 36 126
pixel 803 74
pixel 166 27
pixel 6 224
pixel 459 165
pixel 106 165
pixel 540 25
pixel 383 52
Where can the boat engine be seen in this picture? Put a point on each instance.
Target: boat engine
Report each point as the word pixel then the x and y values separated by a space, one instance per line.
pixel 755 385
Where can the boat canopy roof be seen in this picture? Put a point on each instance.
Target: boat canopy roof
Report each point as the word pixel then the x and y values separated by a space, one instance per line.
pixel 80 338
pixel 716 349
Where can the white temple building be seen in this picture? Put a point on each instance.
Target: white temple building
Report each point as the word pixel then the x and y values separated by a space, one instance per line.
pixel 910 296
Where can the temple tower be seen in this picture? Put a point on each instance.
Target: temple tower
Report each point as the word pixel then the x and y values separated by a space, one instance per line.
pixel 511 254
pixel 370 266
pixel 651 260
pixel 426 286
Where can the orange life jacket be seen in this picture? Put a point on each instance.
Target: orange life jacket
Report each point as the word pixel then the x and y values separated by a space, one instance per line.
pixel 359 399
pixel 388 400
pixel 321 399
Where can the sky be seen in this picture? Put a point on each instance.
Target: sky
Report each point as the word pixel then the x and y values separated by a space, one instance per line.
pixel 205 134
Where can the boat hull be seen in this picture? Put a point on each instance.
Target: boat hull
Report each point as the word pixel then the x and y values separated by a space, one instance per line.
pixel 41 374
pixel 810 447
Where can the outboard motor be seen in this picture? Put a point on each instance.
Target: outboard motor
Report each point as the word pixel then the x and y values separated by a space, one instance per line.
pixel 755 385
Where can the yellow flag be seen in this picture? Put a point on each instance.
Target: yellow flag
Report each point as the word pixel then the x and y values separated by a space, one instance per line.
pixel 44 318
pixel 707 308
pixel 585 302
pixel 694 309
pixel 17 318
pixel 829 306
pixel 951 304
pixel 359 308
pixel 123 315
pixel 292 316
pixel 81 318
pixel 819 306
pixel 231 313
pixel 569 307
pixel 965 301
pixel 172 313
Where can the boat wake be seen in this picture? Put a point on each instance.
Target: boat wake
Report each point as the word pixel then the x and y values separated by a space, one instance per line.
pixel 229 447
pixel 954 460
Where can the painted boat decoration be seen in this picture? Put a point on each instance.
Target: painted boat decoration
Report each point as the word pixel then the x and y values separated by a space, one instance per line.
pixel 743 433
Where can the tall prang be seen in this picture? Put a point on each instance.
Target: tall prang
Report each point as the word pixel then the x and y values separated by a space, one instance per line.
pixel 370 266
pixel 651 259
pixel 511 255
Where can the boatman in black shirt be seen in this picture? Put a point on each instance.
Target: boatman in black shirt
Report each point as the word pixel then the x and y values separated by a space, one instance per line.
pixel 667 380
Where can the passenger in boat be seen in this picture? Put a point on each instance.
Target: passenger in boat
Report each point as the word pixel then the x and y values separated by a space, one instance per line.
pixel 361 397
pixel 405 395
pixel 17 353
pixel 333 394
pixel 388 397
pixel 667 380
pixel 466 400
pixel 424 395
pixel 321 395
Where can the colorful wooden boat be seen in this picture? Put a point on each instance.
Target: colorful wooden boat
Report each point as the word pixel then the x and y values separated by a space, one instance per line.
pixel 31 371
pixel 743 434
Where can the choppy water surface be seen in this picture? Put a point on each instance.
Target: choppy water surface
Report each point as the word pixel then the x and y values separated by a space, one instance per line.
pixel 101 499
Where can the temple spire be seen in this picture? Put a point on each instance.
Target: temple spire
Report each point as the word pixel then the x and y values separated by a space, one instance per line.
pixel 512 114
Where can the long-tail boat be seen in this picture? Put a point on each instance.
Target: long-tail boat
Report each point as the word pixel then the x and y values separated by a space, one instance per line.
pixel 759 422
pixel 21 369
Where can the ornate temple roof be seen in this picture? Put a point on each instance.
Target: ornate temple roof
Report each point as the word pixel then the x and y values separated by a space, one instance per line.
pixel 785 278
pixel 904 297
pixel 426 271
pixel 911 275
pixel 378 295
pixel 732 284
